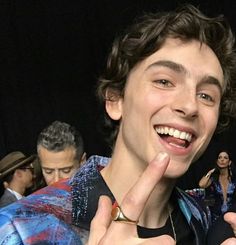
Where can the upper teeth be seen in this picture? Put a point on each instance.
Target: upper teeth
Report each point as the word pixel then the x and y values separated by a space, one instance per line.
pixel 174 132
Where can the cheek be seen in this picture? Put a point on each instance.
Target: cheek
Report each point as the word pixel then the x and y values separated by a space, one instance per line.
pixel 211 119
pixel 139 105
pixel 66 175
pixel 48 178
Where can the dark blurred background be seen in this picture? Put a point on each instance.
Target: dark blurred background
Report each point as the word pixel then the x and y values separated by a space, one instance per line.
pixel 51 54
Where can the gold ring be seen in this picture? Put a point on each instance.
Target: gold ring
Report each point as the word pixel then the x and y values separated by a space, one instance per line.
pixel 118 215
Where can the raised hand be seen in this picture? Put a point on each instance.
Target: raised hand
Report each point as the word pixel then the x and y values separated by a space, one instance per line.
pixel 104 231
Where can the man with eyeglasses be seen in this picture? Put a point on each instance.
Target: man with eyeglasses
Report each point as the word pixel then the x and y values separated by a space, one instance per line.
pixel 16 176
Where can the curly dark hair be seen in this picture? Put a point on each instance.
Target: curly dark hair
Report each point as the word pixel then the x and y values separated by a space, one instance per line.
pixel 149 33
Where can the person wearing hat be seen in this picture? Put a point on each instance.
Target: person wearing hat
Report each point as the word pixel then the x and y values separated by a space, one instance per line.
pixel 16 175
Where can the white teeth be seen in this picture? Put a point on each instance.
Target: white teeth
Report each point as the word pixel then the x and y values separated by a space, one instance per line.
pixel 182 135
pixel 171 131
pixel 162 131
pixel 174 132
pixel 166 130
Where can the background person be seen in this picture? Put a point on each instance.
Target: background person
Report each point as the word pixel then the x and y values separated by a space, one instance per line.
pixel 60 150
pixel 39 181
pixel 16 176
pixel 220 183
pixel 156 135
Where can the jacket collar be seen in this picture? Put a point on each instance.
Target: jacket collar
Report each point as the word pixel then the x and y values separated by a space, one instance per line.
pixel 87 186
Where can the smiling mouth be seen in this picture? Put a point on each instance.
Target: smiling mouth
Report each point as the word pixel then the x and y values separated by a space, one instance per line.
pixel 174 136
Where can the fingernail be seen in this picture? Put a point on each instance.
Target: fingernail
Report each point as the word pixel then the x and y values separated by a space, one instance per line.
pixel 161 156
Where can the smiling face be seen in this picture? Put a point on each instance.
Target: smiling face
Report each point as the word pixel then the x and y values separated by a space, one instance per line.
pixel 171 104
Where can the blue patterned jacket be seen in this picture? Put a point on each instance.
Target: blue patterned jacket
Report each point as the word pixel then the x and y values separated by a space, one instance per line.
pixel 61 213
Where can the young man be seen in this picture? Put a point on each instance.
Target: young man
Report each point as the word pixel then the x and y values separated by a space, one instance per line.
pixel 169 79
pixel 60 149
pixel 16 174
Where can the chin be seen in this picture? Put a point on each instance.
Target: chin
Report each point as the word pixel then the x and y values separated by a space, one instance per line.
pixel 174 176
pixel 176 172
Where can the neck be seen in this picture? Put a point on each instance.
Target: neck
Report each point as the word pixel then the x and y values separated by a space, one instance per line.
pixel 121 175
pixel 17 188
pixel 224 172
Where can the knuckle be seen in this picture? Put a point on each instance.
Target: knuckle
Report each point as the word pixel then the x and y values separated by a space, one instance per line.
pixel 133 201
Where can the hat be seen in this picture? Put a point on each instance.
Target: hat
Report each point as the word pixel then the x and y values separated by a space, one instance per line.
pixel 12 161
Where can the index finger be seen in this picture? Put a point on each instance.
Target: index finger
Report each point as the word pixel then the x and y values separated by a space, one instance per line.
pixel 135 200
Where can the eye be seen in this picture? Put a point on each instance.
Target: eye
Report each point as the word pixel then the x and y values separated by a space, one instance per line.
pixel 66 170
pixel 163 83
pixel 48 171
pixel 206 97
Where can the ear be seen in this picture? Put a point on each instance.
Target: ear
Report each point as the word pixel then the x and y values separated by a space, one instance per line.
pixel 113 104
pixel 83 159
pixel 18 173
pixel 5 184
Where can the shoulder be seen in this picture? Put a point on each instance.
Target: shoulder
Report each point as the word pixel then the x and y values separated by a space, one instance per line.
pixel 6 193
pixel 7 198
pixel 194 208
pixel 55 195
pixel 44 215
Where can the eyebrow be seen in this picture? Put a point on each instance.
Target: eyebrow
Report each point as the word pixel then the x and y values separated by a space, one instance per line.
pixel 71 166
pixel 176 67
pixel 169 64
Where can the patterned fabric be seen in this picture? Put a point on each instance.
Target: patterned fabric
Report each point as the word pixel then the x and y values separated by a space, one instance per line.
pixel 41 218
pixel 216 192
pixel 61 214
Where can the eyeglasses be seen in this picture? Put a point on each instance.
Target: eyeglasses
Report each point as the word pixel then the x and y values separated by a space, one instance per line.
pixel 30 168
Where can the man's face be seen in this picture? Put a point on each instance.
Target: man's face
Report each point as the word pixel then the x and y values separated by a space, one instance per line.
pixel 171 104
pixel 57 165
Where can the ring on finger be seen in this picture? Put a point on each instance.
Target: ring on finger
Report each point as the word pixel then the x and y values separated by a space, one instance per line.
pixel 118 215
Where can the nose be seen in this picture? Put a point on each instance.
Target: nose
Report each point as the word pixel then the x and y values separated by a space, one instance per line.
pixel 56 176
pixel 185 104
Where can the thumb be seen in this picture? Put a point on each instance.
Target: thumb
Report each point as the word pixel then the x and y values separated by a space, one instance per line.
pixel 101 220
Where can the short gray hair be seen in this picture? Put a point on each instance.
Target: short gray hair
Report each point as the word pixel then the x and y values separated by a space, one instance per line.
pixel 60 135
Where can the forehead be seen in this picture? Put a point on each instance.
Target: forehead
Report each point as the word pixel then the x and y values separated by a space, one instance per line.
pixel 196 58
pixel 61 159
pixel 223 154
